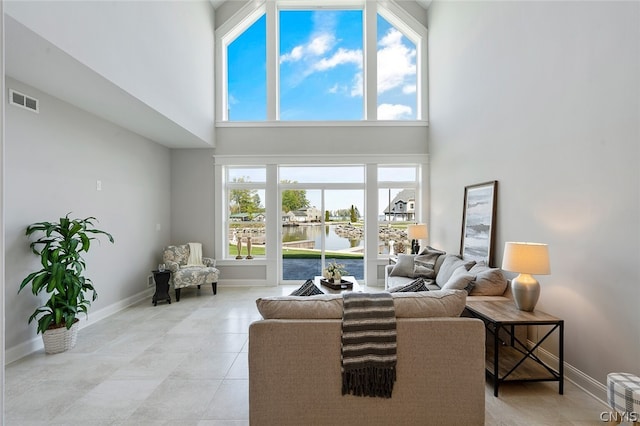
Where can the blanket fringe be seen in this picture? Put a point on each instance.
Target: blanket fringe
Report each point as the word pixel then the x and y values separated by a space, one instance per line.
pixel 369 381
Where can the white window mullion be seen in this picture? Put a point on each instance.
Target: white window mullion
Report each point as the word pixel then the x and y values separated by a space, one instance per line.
pixel 370 65
pixel 273 53
pixel 371 225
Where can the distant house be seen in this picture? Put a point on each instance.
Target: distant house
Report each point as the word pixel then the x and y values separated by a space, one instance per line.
pixel 402 207
pixel 239 217
pixel 309 214
pixel 246 217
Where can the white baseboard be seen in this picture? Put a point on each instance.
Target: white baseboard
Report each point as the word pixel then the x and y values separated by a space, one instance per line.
pixel 588 384
pixel 35 344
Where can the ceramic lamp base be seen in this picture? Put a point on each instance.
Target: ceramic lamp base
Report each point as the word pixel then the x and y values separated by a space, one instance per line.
pixel 526 291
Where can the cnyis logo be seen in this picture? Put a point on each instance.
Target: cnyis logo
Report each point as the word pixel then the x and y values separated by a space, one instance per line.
pixel 613 416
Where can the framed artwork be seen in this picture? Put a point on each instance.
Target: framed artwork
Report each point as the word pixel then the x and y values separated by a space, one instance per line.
pixel 478 222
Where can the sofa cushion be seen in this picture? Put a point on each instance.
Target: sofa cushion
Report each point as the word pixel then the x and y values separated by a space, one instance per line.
pixel 420 271
pixel 424 304
pixel 322 306
pixel 429 304
pixel 451 263
pixel 488 281
pixel 403 266
pixel 307 289
pixel 415 285
pixel 461 279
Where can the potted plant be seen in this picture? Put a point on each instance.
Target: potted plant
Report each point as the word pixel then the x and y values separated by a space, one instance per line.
pixel 334 272
pixel 61 246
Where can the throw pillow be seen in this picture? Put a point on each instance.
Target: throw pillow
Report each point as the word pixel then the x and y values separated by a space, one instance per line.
pixel 307 289
pixel 420 271
pixel 428 257
pixel 461 279
pixel 488 281
pixel 415 285
pixel 451 263
pixel 403 267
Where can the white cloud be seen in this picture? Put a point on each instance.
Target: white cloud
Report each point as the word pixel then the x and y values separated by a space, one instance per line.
pixel 335 88
pixel 317 46
pixel 321 44
pixel 342 56
pixel 393 112
pixel 357 89
pixel 409 88
pixel 396 62
pixel 233 100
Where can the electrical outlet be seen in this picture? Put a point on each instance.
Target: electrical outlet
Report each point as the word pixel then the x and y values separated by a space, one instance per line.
pixel 150 281
pixel 98 185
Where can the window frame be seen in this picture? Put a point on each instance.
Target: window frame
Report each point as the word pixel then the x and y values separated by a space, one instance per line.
pixel 250 13
pixel 229 186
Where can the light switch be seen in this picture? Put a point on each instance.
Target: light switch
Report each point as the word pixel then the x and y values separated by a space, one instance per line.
pixel 98 185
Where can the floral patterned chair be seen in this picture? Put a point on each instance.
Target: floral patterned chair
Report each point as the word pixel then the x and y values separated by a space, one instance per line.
pixel 188 267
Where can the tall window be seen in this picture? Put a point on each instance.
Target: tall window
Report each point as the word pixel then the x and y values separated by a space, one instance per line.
pixel 247 74
pixel 397 85
pixel 398 190
pixel 298 61
pixel 321 65
pixel 246 212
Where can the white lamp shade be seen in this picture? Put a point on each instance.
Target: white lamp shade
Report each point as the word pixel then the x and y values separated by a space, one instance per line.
pixel 417 231
pixel 526 258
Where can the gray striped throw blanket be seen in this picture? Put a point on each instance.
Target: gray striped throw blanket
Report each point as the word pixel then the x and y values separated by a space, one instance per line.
pixel 368 344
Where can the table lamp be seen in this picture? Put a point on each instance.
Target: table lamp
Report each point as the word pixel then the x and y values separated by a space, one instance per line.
pixel 526 259
pixel 417 232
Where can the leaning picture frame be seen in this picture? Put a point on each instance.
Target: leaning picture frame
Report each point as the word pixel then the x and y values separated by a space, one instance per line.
pixel 478 222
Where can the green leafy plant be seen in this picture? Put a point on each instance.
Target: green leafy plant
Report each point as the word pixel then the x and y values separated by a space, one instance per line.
pixel 60 248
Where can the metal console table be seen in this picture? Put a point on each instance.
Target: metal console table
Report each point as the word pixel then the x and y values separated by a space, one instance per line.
pixel 511 359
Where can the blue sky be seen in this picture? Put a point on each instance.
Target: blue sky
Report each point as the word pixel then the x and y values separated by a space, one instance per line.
pixel 321 69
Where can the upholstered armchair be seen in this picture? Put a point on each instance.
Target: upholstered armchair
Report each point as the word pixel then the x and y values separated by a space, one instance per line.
pixel 188 267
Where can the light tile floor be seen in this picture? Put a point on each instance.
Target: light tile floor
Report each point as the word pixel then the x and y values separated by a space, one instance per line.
pixel 186 364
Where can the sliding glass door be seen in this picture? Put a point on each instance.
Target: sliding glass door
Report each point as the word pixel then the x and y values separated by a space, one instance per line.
pixel 321 222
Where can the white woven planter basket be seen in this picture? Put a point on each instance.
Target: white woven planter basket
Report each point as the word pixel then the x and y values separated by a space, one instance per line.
pixel 60 339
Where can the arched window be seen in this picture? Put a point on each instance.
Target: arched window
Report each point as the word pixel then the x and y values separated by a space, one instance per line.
pixel 285 60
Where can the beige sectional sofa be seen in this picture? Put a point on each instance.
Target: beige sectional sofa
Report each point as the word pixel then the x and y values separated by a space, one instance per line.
pixel 448 271
pixel 295 367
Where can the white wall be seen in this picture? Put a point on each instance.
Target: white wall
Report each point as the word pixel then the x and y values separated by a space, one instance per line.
pixel 544 97
pixel 192 200
pixel 53 160
pixel 161 52
pixel 321 140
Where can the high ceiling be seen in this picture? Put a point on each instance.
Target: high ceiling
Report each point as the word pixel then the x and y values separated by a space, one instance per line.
pixel 36 62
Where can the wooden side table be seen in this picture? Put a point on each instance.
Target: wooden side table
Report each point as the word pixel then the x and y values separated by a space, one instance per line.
pixel 161 279
pixel 512 360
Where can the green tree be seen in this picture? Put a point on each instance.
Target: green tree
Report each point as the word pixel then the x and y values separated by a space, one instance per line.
pixel 326 216
pixel 244 200
pixel 353 214
pixel 294 199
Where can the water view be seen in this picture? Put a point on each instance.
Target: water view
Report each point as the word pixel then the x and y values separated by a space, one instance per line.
pixel 302 246
pixel 333 241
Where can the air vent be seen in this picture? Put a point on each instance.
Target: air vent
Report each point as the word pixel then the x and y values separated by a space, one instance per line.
pixel 22 100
